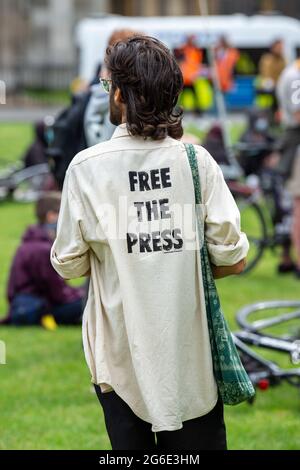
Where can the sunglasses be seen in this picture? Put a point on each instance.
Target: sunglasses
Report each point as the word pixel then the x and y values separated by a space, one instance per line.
pixel 106 84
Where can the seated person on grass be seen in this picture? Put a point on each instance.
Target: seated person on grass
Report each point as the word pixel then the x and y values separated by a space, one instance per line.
pixel 35 290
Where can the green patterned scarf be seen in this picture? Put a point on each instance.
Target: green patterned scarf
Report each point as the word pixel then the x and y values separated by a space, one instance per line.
pixel 232 380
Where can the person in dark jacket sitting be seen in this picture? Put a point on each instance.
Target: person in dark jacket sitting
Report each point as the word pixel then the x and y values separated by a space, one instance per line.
pixel 34 288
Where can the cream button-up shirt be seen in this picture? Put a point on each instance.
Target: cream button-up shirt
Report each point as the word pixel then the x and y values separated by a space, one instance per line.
pixel 127 216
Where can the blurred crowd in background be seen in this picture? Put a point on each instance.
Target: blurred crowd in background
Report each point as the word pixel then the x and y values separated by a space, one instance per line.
pixel 267 154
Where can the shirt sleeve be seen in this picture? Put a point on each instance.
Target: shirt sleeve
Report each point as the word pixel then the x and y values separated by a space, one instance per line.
pixel 70 252
pixel 227 244
pixel 56 289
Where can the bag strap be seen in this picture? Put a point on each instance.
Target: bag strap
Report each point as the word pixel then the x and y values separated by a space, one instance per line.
pixel 233 382
pixel 192 157
pixel 191 153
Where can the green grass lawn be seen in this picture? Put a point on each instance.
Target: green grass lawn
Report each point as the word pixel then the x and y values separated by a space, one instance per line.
pixel 49 97
pixel 46 400
pixel 14 138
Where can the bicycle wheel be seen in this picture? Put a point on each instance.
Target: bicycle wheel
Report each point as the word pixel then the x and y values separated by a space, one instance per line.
pixel 28 183
pixel 254 225
pixel 277 319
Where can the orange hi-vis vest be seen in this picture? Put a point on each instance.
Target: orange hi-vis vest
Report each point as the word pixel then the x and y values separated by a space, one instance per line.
pixel 225 66
pixel 191 64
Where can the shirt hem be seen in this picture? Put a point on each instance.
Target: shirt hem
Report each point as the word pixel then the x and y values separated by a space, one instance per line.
pixel 192 416
pixel 155 428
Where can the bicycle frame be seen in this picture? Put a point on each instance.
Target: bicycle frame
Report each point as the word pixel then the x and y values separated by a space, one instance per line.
pixel 252 335
pixel 262 372
pixel 269 342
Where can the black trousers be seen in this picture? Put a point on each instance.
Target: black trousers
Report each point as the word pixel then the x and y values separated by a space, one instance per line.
pixel 128 432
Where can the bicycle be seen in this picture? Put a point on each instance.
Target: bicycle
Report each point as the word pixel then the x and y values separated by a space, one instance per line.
pixel 249 318
pixel 255 332
pixel 23 184
pixel 264 205
pixel 262 372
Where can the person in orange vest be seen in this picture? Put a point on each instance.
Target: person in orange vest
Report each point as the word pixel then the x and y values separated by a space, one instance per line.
pixel 226 59
pixel 190 60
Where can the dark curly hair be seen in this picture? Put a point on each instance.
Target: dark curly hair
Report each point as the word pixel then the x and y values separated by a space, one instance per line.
pixel 150 80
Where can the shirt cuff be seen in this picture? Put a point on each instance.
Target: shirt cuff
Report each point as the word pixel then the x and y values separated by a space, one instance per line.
pixel 70 266
pixel 228 255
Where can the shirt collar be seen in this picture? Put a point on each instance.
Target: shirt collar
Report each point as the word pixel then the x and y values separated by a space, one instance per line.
pixel 120 131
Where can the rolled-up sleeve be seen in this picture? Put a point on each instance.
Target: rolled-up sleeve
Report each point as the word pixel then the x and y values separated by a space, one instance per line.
pixel 227 244
pixel 70 252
